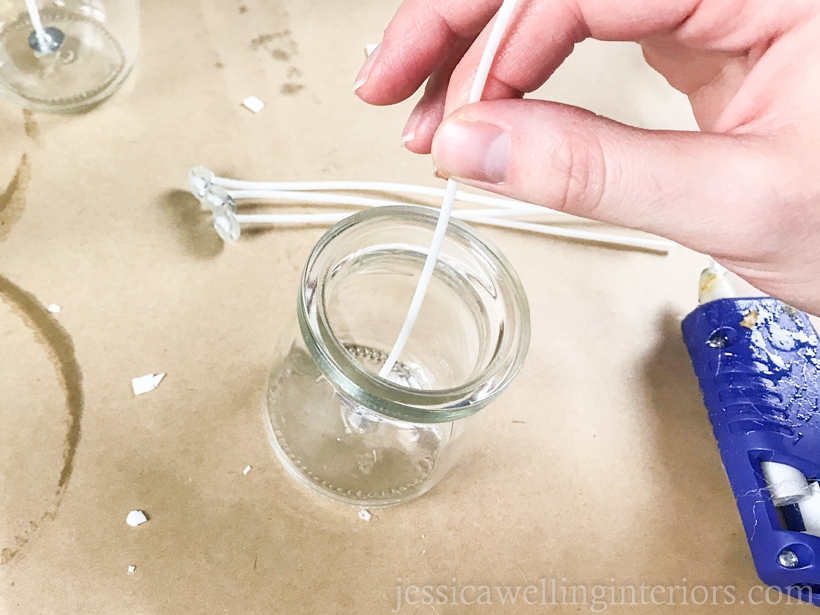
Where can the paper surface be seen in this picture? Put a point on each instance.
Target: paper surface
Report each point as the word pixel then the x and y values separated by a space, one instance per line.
pixel 597 464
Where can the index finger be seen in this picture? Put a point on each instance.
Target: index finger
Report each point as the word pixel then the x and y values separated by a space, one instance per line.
pixel 543 34
pixel 540 36
pixel 418 40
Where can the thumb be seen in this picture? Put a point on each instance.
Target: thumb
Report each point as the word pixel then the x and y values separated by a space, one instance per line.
pixel 705 191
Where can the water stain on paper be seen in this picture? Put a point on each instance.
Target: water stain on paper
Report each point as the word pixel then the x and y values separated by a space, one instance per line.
pixel 289 89
pixel 282 47
pixel 30 125
pixel 58 345
pixel 13 198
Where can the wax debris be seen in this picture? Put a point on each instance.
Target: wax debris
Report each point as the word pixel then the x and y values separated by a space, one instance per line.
pixel 246 470
pixel 135 518
pixel 132 569
pixel 370 48
pixel 810 510
pixel 787 485
pixel 54 308
pixel 254 104
pixel 365 515
pixel 147 383
pixel 750 319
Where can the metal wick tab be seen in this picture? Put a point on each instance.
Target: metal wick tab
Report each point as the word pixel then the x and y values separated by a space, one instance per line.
pixel 49 42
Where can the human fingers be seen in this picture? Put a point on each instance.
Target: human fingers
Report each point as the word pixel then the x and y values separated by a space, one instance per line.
pixel 543 33
pixel 417 135
pixel 705 191
pixel 419 40
pixel 748 200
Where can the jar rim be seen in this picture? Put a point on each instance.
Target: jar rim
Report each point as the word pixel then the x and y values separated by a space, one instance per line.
pixel 389 398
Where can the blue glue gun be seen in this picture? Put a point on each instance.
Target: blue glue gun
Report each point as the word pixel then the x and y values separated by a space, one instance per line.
pixel 756 360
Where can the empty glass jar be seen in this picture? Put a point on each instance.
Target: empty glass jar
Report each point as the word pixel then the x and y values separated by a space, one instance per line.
pixel 365 440
pixel 66 55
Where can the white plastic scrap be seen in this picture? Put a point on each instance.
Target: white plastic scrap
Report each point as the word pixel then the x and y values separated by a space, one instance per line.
pixel 246 470
pixel 254 104
pixel 147 383
pixel 132 569
pixel 135 518
pixel 54 308
pixel 365 515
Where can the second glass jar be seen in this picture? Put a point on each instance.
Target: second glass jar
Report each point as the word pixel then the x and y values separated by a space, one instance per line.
pixel 66 55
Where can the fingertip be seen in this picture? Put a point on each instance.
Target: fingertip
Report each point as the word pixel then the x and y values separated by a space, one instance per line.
pixel 384 79
pixel 473 150
pixel 364 72
pixel 417 136
pixel 417 146
pixel 418 141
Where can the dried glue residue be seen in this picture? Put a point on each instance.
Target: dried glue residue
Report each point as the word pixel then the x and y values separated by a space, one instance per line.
pixel 750 319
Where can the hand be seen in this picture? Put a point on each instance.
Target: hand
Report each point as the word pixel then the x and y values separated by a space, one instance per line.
pixel 745 190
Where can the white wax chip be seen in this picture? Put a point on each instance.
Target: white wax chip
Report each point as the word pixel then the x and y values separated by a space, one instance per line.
pixel 246 470
pixel 147 383
pixel 54 308
pixel 132 569
pixel 252 103
pixel 810 510
pixel 370 48
pixel 135 518
pixel 365 515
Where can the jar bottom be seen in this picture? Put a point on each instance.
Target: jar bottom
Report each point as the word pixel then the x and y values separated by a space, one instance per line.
pixel 89 61
pixel 343 450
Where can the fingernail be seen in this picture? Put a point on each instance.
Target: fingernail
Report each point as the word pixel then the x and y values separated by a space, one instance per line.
pixel 364 71
pixel 409 132
pixel 472 150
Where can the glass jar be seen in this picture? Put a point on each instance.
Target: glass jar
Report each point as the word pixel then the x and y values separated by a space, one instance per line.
pixel 66 55
pixel 370 441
